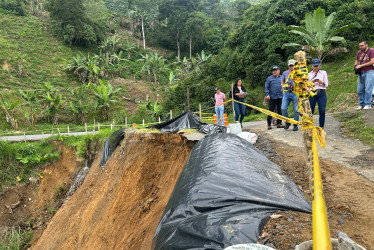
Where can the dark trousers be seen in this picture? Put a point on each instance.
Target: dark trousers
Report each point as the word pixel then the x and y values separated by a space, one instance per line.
pixel 239 110
pixel 272 104
pixel 321 99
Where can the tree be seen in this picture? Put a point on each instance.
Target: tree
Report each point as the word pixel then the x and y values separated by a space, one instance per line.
pixel 31 101
pixel 176 13
pixel 9 108
pixel 319 34
pixel 80 105
pixel 52 100
pixel 153 63
pixel 104 94
pixel 194 27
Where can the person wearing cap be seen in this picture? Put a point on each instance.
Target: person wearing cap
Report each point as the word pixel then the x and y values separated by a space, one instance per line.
pixel 274 93
pixel 239 95
pixel 365 82
pixel 289 96
pixel 319 78
pixel 220 99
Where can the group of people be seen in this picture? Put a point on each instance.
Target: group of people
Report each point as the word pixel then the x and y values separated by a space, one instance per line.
pixel 279 98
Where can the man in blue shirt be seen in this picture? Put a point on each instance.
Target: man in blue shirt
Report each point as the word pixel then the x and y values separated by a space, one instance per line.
pixel 289 97
pixel 274 93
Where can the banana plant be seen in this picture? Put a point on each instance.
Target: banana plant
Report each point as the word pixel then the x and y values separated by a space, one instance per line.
pixel 129 48
pixel 9 108
pixel 52 101
pixel 319 35
pixel 104 94
pixel 154 108
pixel 80 105
pixel 31 101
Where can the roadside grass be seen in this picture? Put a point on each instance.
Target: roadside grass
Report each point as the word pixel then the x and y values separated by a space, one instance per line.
pixel 20 161
pixel 16 239
pixel 83 142
pixel 354 126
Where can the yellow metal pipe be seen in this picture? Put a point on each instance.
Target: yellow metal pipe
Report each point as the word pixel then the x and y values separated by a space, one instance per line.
pixel 321 232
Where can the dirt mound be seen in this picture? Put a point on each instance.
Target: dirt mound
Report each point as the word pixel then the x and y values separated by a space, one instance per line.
pixel 349 199
pixel 120 205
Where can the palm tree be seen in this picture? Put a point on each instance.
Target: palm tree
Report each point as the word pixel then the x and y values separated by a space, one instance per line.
pixel 104 93
pixel 319 34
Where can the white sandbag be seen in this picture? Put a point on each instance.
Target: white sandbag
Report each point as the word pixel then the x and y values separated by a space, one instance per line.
pixel 235 128
pixel 251 137
pixel 250 246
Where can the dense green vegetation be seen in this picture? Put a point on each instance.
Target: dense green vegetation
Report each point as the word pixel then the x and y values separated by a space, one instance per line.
pixel 208 44
pixel 20 161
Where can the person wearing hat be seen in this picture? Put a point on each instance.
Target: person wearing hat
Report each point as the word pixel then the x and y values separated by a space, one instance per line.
pixel 289 96
pixel 319 78
pixel 220 99
pixel 274 93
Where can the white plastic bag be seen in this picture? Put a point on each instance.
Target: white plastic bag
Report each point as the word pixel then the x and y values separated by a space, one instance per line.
pixel 251 137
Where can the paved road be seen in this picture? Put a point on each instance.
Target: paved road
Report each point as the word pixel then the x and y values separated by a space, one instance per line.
pixel 344 150
pixel 19 138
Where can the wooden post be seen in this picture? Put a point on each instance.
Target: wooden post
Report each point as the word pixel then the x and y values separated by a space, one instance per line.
pixel 111 126
pixel 58 131
pixel 98 126
pixel 24 136
pixel 143 122
pixel 52 129
pixel 188 99
pixel 200 111
pixel 159 120
pixel 85 126
pixel 171 114
pixel 68 130
pixel 232 97
pixel 126 121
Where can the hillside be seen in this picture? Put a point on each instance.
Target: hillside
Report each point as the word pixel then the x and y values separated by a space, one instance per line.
pixel 45 56
pixel 31 56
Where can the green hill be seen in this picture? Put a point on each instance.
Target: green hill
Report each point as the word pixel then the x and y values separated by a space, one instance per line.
pixel 44 55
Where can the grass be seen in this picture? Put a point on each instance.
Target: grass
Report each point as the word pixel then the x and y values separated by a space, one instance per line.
pixel 354 126
pixel 16 239
pixel 81 143
pixel 20 161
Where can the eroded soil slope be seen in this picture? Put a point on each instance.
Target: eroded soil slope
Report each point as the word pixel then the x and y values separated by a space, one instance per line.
pixel 119 206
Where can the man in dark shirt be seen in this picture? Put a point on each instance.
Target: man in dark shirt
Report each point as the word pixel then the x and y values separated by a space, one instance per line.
pixel 364 62
pixel 274 93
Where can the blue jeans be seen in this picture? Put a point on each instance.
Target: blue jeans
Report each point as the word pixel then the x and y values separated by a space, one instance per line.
pixel 219 113
pixel 321 99
pixel 239 110
pixel 365 84
pixel 287 99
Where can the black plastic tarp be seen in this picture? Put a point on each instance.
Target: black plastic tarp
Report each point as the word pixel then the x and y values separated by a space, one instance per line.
pixel 188 120
pixel 225 194
pixel 111 144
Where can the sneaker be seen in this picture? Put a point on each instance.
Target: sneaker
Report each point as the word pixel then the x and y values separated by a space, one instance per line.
pixel 280 126
pixel 287 126
pixel 295 128
pixel 236 121
pixel 367 107
pixel 269 127
pixel 359 107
